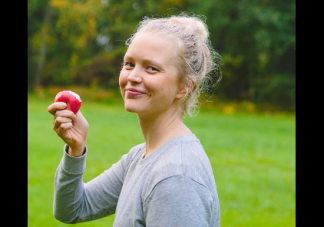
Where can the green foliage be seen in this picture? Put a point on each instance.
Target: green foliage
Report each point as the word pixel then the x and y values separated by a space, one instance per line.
pixel 103 69
pixel 82 42
pixel 278 89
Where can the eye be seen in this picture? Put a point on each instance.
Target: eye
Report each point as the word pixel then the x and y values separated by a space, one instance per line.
pixel 152 69
pixel 129 65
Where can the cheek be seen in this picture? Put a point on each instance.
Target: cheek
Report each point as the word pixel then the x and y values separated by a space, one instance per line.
pixel 122 82
pixel 122 79
pixel 165 90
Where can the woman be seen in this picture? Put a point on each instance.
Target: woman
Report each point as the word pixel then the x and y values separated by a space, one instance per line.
pixel 168 180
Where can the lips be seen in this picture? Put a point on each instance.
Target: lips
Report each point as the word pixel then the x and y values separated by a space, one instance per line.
pixel 133 92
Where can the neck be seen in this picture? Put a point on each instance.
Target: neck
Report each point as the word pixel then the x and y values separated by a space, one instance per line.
pixel 160 128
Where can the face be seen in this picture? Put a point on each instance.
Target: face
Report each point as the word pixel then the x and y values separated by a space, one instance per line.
pixel 149 78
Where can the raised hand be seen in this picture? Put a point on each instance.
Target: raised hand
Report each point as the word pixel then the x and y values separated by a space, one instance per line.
pixel 71 128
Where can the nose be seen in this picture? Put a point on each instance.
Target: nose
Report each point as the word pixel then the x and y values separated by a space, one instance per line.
pixel 135 76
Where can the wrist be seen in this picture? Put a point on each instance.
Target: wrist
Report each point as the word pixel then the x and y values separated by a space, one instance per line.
pixel 76 151
pixel 73 164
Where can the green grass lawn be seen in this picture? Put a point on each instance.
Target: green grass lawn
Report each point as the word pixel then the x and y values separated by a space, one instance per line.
pixel 252 155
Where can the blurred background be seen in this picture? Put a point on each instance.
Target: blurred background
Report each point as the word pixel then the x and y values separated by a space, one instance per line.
pixel 81 43
pixel 247 127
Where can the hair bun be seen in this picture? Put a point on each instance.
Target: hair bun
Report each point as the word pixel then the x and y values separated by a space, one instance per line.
pixel 192 24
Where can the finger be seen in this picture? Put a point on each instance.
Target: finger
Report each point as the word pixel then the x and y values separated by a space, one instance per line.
pixel 63 127
pixel 56 106
pixel 60 120
pixel 64 113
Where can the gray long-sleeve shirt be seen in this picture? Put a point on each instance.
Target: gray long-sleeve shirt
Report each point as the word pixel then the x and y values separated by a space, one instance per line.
pixel 173 186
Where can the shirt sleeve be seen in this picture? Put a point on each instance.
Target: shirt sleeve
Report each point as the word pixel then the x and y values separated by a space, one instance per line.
pixel 76 201
pixel 178 201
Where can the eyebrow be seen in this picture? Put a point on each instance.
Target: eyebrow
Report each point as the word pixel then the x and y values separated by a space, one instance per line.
pixel 146 61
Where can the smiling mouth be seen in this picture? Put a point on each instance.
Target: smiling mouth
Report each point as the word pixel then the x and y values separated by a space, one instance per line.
pixel 134 92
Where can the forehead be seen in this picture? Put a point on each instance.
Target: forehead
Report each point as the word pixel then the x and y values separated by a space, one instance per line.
pixel 152 45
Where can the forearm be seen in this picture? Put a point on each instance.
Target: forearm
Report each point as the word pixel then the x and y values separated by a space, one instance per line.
pixel 76 201
pixel 69 189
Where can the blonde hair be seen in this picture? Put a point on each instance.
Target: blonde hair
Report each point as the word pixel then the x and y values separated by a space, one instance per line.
pixel 197 59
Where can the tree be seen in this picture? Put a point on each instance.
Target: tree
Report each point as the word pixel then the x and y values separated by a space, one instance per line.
pixel 83 42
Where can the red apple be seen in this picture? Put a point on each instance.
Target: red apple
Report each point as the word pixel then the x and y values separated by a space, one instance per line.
pixel 72 100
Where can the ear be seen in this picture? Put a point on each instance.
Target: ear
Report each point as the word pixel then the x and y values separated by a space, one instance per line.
pixel 185 89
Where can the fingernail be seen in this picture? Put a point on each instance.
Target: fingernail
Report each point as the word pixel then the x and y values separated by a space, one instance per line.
pixel 63 105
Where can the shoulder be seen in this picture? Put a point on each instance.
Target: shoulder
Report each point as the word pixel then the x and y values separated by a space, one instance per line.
pixel 183 156
pixel 176 154
pixel 134 152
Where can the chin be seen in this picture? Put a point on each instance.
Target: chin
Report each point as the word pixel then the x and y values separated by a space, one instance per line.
pixel 132 107
pixel 132 110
